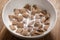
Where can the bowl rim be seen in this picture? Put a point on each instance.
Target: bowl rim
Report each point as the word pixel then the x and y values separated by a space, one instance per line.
pixel 38 36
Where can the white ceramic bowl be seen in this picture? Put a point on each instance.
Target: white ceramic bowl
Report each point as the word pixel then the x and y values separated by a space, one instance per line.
pixel 44 4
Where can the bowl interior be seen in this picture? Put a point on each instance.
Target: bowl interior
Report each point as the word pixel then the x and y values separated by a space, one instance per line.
pixel 8 10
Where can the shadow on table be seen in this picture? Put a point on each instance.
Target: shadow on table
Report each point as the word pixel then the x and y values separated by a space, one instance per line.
pixel 9 36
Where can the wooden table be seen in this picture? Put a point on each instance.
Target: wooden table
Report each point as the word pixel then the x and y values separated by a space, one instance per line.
pixel 53 35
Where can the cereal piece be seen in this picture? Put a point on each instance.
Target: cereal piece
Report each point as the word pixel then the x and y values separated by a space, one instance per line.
pixel 38 33
pixel 37 17
pixel 41 14
pixel 44 12
pixel 20 25
pixel 46 27
pixel 36 24
pixel 33 11
pixel 25 32
pixel 30 28
pixel 35 28
pixel 27 6
pixel 47 16
pixel 12 17
pixel 40 30
pixel 47 22
pixel 14 22
pixel 36 9
pixel 22 11
pixel 34 33
pixel 12 27
pixel 25 15
pixel 40 26
pixel 37 21
pixel 19 30
pixel 35 6
pixel 43 19
pixel 16 11
pixel 19 18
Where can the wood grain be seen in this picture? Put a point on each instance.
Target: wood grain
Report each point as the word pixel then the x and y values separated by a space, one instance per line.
pixel 2 3
pixel 53 35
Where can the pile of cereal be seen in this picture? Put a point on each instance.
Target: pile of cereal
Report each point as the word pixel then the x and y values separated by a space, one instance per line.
pixel 30 20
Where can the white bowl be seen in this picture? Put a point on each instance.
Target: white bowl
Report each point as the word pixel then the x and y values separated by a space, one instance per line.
pixel 44 4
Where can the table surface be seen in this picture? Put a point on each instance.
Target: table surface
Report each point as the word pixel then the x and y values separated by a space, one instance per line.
pixel 53 35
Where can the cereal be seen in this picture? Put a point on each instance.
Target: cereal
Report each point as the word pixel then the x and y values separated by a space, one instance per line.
pixel 40 26
pixel 35 28
pixel 27 6
pixel 38 11
pixel 20 25
pixel 25 15
pixel 12 17
pixel 30 20
pixel 46 27
pixel 47 16
pixel 43 19
pixel 30 28
pixel 41 14
pixel 36 24
pixel 12 27
pixel 37 21
pixel 16 11
pixel 47 22
pixel 14 22
pixel 35 7
pixel 19 30
pixel 40 30
pixel 25 32
pixel 19 18
pixel 34 33
pixel 37 17
pixel 22 11
pixel 33 11
pixel 44 12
